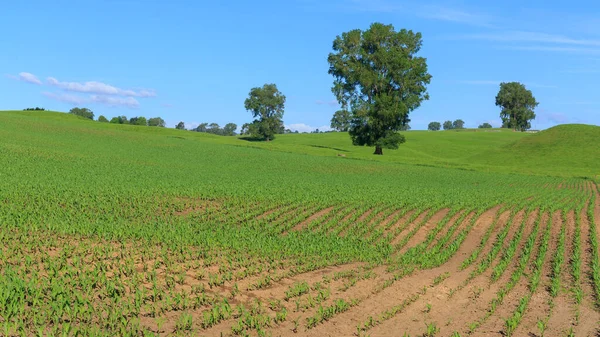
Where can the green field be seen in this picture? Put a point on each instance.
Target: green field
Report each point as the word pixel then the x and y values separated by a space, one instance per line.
pixel 120 229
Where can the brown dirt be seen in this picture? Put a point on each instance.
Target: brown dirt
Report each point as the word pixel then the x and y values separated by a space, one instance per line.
pixel 413 319
pixel 422 232
pixel 382 224
pixel 312 218
pixel 400 222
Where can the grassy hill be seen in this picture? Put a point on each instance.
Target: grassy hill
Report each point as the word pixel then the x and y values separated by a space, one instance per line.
pixel 566 150
pixel 140 211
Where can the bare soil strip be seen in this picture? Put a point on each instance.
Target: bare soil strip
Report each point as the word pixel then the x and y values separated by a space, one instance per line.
pixel 424 229
pixel 311 218
pixel 410 227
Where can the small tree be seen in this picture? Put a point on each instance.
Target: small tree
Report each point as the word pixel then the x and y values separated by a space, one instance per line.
pixel 341 120
pixel 202 127
pixel 485 126
pixel 379 77
pixel 180 126
pixel 458 124
pixel 518 104
pixel 448 125
pixel 229 129
pixel 434 126
pixel 156 121
pixel 214 128
pixel 141 120
pixel 267 105
pixel 83 112
pixel 102 119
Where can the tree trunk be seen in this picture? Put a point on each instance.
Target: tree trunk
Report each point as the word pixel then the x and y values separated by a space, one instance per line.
pixel 378 150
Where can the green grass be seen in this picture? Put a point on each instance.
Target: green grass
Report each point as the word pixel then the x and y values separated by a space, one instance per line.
pixel 103 197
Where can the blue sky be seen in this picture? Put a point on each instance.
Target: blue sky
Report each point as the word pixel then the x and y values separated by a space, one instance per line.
pixel 195 61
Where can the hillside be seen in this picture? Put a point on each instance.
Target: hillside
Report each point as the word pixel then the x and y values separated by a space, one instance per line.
pixel 168 232
pixel 565 150
pixel 562 150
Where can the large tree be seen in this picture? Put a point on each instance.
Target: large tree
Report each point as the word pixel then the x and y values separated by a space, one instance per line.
pixel 341 120
pixel 518 104
pixel 266 104
pixel 379 78
pixel 83 112
pixel 434 126
pixel 448 125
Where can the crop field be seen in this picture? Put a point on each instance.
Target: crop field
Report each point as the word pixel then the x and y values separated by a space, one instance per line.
pixel 112 230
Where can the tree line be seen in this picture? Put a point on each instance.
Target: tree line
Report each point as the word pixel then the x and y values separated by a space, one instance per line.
pixel 378 80
pixel 138 120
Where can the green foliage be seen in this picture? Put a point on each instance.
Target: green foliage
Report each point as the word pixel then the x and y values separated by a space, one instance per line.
pixel 518 104
pixel 341 120
pixel 180 126
pixel 485 126
pixel 267 105
pixel 434 126
pixel 458 124
pixel 102 119
pixel 380 80
pixel 448 125
pixel 119 120
pixel 82 112
pixel 156 121
pixel 141 121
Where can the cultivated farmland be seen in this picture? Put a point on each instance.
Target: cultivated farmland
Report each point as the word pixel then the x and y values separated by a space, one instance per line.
pixel 120 230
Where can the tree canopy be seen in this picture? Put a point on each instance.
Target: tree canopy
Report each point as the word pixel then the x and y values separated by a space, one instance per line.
pixel 448 125
pixel 119 120
pixel 458 124
pixel 156 121
pixel 485 126
pixel 518 105
pixel 434 126
pixel 141 120
pixel 180 126
pixel 267 105
pixel 341 120
pixel 380 80
pixel 83 112
pixel 102 119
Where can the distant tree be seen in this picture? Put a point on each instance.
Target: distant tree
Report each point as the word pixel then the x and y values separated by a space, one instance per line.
pixel 202 127
pixel 141 120
pixel 381 80
pixel 288 131
pixel 119 120
pixel 156 121
pixel 34 109
pixel 180 126
pixel 518 105
pixel 214 128
pixel 485 126
pixel 102 119
pixel 267 105
pixel 341 120
pixel 229 129
pixel 448 125
pixel 434 126
pixel 458 124
pixel 83 112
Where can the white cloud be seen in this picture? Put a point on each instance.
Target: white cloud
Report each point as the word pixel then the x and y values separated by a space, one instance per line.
pixel 67 98
pixel 524 36
pixel 26 77
pixel 100 88
pixel 301 127
pixel 129 102
pixel 455 15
